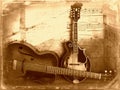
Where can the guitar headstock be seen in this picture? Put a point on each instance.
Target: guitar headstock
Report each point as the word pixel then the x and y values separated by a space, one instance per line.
pixel 75 11
pixel 108 75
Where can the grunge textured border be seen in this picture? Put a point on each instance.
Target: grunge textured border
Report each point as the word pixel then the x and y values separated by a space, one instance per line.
pixel 114 84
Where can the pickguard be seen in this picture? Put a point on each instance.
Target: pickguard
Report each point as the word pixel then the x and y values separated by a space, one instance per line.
pixel 74 64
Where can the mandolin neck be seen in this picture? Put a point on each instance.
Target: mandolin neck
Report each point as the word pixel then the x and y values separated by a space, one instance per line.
pixel 75 37
pixel 28 66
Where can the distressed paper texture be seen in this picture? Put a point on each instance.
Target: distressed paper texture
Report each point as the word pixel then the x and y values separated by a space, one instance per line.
pixel 45 24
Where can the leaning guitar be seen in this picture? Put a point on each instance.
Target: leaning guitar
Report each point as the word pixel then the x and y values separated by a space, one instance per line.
pixel 42 66
pixel 20 51
pixel 75 57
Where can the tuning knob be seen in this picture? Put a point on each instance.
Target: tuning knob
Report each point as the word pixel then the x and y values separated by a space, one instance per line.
pixel 110 71
pixel 105 71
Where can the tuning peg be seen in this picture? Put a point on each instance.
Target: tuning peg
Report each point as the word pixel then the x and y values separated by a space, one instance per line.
pixel 106 71
pixel 110 71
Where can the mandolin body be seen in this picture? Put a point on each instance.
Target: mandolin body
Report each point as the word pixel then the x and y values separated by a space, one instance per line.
pixel 75 57
pixel 21 51
pixel 81 58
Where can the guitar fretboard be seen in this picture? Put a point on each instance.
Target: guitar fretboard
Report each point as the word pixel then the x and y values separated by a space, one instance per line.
pixel 58 70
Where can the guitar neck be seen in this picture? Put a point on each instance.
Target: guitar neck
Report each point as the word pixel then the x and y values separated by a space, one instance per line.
pixel 72 72
pixel 28 66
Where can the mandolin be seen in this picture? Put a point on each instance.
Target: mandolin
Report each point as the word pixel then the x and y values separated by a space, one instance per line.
pixel 75 57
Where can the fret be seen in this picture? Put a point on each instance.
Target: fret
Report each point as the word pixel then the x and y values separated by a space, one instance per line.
pixel 83 74
pixel 95 75
pixel 75 35
pixel 87 74
pixel 55 70
pixel 73 73
pixel 74 22
pixel 66 71
pixel 75 40
pixel 50 69
pixel 58 70
pixel 90 75
pixel 69 71
pixel 77 73
pixel 61 71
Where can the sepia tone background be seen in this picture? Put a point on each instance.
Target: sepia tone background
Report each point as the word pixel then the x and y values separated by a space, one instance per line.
pixel 45 24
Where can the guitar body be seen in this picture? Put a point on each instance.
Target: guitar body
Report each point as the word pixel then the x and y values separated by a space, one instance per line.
pixel 42 67
pixel 21 51
pixel 81 58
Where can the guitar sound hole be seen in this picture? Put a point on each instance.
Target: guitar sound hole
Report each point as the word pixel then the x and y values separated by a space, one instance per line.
pixel 70 45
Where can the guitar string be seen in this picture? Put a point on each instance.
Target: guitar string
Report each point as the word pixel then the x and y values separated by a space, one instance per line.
pixel 57 70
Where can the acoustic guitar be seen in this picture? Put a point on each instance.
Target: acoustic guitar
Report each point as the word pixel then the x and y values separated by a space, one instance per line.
pixel 23 51
pixel 43 66
pixel 75 57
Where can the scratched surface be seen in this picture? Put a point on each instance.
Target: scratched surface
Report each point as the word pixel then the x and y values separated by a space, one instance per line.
pixel 47 27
